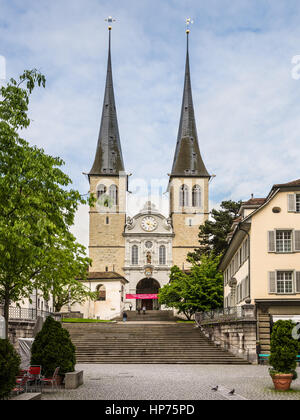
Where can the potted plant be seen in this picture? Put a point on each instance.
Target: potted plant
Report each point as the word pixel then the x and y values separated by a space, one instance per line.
pixel 53 348
pixel 284 350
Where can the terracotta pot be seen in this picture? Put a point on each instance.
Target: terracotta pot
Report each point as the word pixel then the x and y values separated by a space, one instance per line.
pixel 282 382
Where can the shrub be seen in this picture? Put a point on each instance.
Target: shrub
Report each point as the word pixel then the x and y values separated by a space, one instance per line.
pixel 53 347
pixel 9 368
pixel 284 348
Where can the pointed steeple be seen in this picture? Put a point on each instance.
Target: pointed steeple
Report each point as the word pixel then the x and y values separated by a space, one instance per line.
pixel 108 159
pixel 187 159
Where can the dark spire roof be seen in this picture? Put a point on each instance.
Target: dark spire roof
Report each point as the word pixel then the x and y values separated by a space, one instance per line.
pixel 187 159
pixel 108 159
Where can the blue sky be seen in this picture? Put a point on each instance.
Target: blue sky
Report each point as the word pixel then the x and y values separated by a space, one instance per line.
pixel 246 100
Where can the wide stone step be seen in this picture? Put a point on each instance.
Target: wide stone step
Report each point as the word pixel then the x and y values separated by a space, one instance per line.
pixel 146 344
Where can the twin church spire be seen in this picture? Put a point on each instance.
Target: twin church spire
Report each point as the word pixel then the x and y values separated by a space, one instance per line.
pixel 108 159
pixel 187 159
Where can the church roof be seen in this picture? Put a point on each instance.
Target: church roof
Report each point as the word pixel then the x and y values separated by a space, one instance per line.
pixel 108 159
pixel 187 159
pixel 105 275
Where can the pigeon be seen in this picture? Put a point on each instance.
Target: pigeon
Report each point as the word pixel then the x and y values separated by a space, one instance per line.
pixel 232 391
pixel 215 388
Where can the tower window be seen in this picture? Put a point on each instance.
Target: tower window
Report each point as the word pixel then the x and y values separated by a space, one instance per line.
pixel 184 196
pixel 101 190
pixel 107 220
pixel 134 255
pixel 196 196
pixel 113 194
pixel 162 255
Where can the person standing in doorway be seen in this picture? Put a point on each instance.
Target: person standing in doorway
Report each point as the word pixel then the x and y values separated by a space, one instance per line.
pixel 144 310
pixel 130 307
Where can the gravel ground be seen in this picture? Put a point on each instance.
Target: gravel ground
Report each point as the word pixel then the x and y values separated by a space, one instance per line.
pixel 174 382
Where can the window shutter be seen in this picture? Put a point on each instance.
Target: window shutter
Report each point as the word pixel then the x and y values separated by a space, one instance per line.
pixel 291 202
pixel 272 282
pixel 247 294
pixel 297 240
pixel 297 282
pixel 271 235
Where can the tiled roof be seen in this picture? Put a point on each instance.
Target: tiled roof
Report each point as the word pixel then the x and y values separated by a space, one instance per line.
pixel 295 183
pixel 108 275
pixel 254 202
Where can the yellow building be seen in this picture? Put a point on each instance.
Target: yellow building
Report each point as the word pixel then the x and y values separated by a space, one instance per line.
pixel 262 263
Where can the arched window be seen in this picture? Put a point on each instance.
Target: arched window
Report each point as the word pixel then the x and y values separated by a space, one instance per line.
pixel 101 291
pixel 184 196
pixel 162 255
pixel 134 255
pixel 101 190
pixel 196 196
pixel 113 194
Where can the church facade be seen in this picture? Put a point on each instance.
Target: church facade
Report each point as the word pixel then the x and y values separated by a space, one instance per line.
pixel 132 256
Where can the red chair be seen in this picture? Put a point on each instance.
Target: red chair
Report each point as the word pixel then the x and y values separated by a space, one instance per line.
pixel 21 384
pixel 34 374
pixel 52 380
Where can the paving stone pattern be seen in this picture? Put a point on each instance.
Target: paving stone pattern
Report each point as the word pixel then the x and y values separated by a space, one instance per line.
pixel 174 382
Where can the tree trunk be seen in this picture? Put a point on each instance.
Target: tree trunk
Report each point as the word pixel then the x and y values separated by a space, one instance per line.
pixel 6 312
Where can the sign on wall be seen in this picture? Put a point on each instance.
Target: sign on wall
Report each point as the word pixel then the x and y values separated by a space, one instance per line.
pixel 142 296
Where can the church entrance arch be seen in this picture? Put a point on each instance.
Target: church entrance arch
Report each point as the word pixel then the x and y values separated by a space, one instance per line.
pixel 148 286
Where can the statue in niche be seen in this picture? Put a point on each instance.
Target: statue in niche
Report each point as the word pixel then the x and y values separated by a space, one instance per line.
pixel 149 258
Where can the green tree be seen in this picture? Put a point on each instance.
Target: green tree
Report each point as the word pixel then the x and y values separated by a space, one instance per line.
pixel 9 368
pixel 37 206
pixel 213 233
pixel 53 348
pixel 200 289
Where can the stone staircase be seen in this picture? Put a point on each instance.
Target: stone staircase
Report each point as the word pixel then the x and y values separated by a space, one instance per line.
pixel 145 343
pixel 149 316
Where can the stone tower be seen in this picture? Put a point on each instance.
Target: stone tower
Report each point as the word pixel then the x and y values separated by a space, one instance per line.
pixel 189 180
pixel 108 182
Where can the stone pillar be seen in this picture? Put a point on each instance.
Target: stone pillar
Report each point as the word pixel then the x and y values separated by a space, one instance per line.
pixel 248 311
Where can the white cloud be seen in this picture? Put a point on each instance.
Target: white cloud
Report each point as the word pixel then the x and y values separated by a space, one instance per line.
pixel 246 101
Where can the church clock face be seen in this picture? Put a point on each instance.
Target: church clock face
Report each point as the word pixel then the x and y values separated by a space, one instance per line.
pixel 149 224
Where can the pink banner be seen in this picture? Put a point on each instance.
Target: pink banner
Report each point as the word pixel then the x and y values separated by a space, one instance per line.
pixel 149 296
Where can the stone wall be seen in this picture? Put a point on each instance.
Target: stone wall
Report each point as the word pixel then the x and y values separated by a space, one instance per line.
pixel 237 335
pixel 20 329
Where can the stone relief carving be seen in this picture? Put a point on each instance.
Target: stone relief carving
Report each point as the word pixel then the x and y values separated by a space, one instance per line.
pixel 130 223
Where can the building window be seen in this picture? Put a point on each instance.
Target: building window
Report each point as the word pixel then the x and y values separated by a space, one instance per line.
pixel 184 196
pixel 134 255
pixel 283 241
pixel 284 282
pixel 113 194
pixel 101 190
pixel 196 196
pixel 101 291
pixel 162 255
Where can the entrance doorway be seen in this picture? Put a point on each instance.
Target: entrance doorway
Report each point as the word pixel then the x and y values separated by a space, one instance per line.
pixel 148 286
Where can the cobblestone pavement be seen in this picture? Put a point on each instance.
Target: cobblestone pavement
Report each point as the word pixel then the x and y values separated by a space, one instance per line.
pixel 174 382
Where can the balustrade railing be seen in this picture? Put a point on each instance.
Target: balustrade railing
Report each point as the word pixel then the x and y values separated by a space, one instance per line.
pixel 25 314
pixel 220 314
